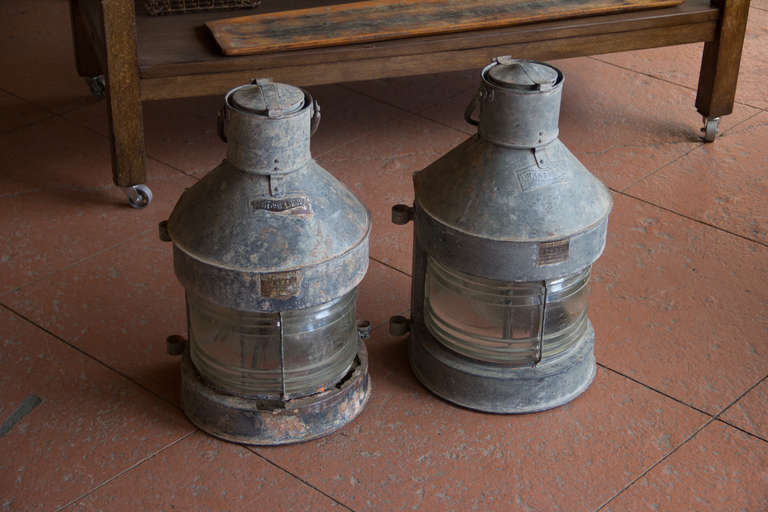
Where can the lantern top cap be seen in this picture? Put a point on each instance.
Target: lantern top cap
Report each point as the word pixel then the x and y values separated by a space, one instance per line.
pixel 522 75
pixel 267 98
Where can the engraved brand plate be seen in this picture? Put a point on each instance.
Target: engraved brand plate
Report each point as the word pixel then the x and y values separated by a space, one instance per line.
pixel 534 177
pixel 553 252
pixel 281 284
pixel 295 205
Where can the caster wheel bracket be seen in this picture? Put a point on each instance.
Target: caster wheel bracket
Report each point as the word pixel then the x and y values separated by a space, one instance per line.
pixel 98 85
pixel 139 196
pixel 710 128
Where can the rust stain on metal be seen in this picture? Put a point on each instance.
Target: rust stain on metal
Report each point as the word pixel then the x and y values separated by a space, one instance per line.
pixel 284 426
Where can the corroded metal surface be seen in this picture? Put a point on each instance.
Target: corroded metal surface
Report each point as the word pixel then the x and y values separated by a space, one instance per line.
pixel 498 389
pixel 269 229
pixel 273 423
pixel 509 209
pixel 270 249
pixel 247 248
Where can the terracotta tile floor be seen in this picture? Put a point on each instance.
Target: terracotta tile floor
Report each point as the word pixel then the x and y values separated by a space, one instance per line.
pixel 676 418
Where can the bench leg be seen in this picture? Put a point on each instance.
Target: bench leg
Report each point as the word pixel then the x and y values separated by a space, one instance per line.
pixel 85 56
pixel 720 65
pixel 123 95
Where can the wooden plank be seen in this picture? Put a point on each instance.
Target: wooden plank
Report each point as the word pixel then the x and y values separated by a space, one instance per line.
pixel 364 69
pixel 177 49
pixel 378 20
pixel 721 60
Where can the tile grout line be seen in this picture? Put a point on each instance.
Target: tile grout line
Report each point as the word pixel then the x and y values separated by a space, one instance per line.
pixel 51 113
pixel 74 263
pixel 711 420
pixel 662 79
pixel 390 267
pixel 700 145
pixel 401 109
pixel 699 221
pixel 632 482
pixel 660 168
pixel 173 167
pixel 644 73
pixel 765 378
pixel 89 356
pixel 47 117
pixel 106 136
pixel 651 388
pixel 751 434
pixel 126 470
pixel 76 108
pixel 297 477
pixel 63 116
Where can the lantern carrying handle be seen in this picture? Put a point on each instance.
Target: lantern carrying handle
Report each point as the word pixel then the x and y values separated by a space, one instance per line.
pixel 221 120
pixel 315 121
pixel 472 107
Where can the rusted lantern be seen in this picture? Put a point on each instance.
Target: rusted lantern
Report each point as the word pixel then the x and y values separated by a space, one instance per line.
pixel 270 249
pixel 506 228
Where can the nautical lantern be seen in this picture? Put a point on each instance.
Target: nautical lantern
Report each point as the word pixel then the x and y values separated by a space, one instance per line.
pixel 270 249
pixel 506 228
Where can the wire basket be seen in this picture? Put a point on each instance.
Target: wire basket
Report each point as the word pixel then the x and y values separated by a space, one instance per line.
pixel 157 7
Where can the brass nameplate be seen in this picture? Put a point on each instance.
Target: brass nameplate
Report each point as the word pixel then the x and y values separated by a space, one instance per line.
pixel 534 177
pixel 553 252
pixel 281 284
pixel 296 205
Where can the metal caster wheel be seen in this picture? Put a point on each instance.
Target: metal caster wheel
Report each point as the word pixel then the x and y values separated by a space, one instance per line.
pixel 139 196
pixel 710 128
pixel 97 85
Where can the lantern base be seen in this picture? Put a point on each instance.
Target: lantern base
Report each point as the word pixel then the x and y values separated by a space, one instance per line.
pixel 493 388
pixel 248 421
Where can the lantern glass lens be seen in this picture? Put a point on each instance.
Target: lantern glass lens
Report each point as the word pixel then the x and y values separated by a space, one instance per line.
pixel 250 353
pixel 500 321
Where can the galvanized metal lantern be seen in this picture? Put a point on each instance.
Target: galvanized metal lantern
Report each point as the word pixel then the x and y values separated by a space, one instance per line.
pixel 506 228
pixel 270 249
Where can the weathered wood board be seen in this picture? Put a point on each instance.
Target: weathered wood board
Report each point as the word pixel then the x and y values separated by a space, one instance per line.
pixel 379 20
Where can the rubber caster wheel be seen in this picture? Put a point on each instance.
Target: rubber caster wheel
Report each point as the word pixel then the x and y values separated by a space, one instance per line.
pixel 139 196
pixel 97 85
pixel 710 128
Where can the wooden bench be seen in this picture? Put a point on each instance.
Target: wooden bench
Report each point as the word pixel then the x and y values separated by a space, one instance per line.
pixel 144 57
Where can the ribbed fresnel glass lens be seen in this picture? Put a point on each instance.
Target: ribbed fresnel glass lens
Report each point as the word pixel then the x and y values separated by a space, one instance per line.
pixel 250 354
pixel 501 322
